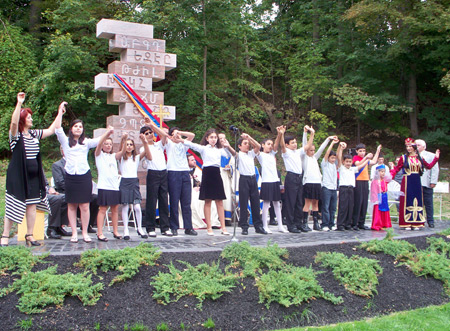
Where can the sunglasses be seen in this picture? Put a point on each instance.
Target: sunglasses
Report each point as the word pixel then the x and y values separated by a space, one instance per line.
pixel 148 133
pixel 130 144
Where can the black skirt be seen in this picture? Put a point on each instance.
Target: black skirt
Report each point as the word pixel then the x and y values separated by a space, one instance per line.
pixel 33 193
pixel 212 185
pixel 270 191
pixel 129 191
pixel 108 197
pixel 312 191
pixel 78 188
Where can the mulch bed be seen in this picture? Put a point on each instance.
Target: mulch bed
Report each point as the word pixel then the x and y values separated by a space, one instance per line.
pixel 131 302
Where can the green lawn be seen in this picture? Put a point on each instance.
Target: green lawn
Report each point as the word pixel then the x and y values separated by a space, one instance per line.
pixel 432 318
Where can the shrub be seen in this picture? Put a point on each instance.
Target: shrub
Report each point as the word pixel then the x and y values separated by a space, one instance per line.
pixel 388 245
pixel 439 244
pixel 18 258
pixel 359 275
pixel 445 232
pixel 127 260
pixel 203 281
pixel 40 289
pixel 291 286
pixel 253 259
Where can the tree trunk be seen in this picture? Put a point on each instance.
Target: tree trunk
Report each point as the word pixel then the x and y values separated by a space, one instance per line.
pixel 35 16
pixel 205 57
pixel 412 100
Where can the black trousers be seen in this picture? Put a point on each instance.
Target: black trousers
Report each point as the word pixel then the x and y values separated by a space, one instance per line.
pixel 361 199
pixel 248 189
pixel 180 191
pixel 346 195
pixel 428 203
pixel 293 200
pixel 58 206
pixel 157 189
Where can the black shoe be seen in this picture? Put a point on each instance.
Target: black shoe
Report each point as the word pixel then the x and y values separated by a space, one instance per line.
pixel 363 227
pixel 348 228
pixel 294 230
pixel 63 232
pixel 30 242
pixel 91 229
pixel 340 229
pixel 245 232
pixel 52 234
pixel 190 232
pixel 126 238
pixel 260 230
pixel 316 226
pixel 355 228
pixel 431 225
pixel 117 237
pixel 273 222
pixel 143 235
pixel 174 232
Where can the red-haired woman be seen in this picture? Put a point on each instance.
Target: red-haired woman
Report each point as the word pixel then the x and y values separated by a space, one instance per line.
pixel 25 180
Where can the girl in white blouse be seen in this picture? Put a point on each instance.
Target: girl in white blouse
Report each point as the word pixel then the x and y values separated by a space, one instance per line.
pixel 129 183
pixel 211 150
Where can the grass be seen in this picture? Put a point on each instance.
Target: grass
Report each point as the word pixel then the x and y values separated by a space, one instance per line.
pixel 430 318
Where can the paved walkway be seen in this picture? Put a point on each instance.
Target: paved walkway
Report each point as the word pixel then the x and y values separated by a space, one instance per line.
pixel 203 242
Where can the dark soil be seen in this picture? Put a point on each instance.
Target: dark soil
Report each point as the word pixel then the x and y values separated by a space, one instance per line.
pixel 131 302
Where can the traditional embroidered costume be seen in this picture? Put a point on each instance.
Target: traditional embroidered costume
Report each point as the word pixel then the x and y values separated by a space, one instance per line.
pixel 379 198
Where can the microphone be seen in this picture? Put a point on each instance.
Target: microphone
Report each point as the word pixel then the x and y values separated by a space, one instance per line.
pixel 233 128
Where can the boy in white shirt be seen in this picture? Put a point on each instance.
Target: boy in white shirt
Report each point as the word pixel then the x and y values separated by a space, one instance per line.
pixel 329 186
pixel 346 187
pixel 248 187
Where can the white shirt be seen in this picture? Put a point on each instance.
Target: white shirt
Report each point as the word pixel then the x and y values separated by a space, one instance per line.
pixel 329 179
pixel 268 167
pixel 108 176
pixel 158 161
pixel 311 170
pixel 211 156
pixel 76 156
pixel 128 168
pixel 293 160
pixel 176 156
pixel 246 163
pixel 347 176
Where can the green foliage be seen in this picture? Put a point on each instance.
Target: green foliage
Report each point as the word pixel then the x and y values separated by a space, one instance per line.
pixel 253 259
pixel 38 290
pixel 430 263
pixel 139 326
pixel 203 281
pixel 162 327
pixel 18 259
pixel 388 245
pixel 126 260
pixel 209 324
pixel 359 275
pixel 291 286
pixel 25 324
pixel 439 244
pixel 445 232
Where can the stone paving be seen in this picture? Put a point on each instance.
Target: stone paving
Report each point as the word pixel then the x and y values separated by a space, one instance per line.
pixel 203 242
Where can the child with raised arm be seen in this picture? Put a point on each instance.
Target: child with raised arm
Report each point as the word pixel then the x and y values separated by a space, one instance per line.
pixel 293 184
pixel 329 186
pixel 312 179
pixel 129 183
pixel 211 150
pixel 248 187
pixel 270 187
pixel 361 192
pixel 179 181
pixel 346 187
pixel 108 183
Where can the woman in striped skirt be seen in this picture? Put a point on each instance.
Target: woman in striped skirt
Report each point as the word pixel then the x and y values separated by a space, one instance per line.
pixel 25 180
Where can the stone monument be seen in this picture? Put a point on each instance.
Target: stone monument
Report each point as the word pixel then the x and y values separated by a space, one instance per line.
pixel 142 61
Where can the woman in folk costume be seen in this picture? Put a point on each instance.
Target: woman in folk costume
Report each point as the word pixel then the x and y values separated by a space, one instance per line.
pixel 411 203
pixel 25 180
pixel 381 217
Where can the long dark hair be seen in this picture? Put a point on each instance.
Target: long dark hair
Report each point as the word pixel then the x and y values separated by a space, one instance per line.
pixel 133 153
pixel 204 142
pixel 72 141
pixel 406 163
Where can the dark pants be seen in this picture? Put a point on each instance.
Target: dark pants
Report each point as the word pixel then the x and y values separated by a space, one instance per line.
pixel 248 188
pixel 293 200
pixel 58 206
pixel 428 203
pixel 93 211
pixel 157 189
pixel 180 191
pixel 361 199
pixel 344 219
pixel 329 202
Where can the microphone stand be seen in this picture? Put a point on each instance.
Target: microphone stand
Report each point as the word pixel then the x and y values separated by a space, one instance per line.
pixel 234 214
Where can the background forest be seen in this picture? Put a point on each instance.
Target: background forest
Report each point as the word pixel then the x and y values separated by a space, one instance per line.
pixel 374 71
